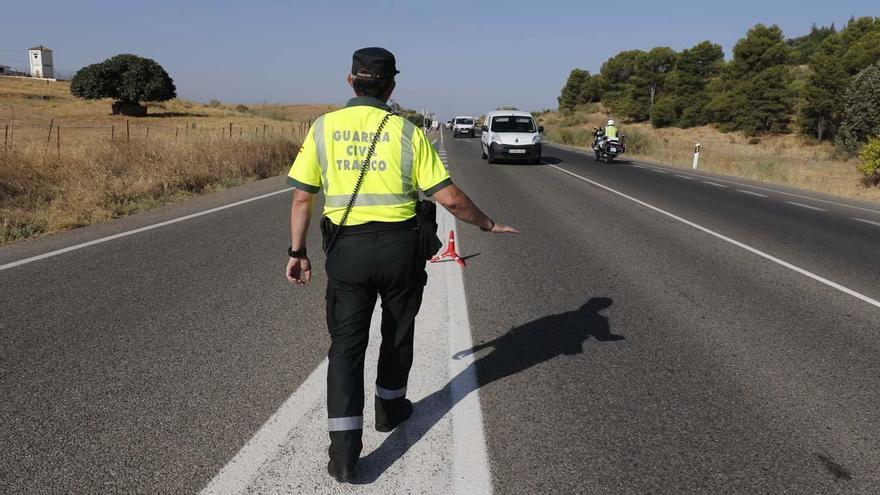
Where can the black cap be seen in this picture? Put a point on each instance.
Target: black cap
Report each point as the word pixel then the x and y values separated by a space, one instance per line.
pixel 373 63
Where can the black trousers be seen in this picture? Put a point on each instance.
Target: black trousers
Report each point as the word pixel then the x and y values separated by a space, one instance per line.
pixel 360 268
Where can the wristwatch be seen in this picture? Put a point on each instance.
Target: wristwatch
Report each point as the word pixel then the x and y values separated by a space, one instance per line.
pixel 300 253
pixel 490 227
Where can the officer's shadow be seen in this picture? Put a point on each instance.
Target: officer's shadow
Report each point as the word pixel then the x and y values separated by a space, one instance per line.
pixel 517 350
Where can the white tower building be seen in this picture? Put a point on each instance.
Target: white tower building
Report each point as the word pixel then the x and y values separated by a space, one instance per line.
pixel 40 59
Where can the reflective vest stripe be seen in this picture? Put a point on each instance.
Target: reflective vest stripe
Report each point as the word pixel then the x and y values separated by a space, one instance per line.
pixel 406 155
pixel 345 424
pixel 384 393
pixel 321 148
pixel 368 199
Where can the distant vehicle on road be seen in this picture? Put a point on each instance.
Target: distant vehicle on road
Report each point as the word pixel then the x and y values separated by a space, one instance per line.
pixel 607 149
pixel 463 126
pixel 449 124
pixel 511 135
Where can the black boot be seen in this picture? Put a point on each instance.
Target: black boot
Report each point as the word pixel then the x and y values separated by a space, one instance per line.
pixel 345 449
pixel 341 471
pixel 391 413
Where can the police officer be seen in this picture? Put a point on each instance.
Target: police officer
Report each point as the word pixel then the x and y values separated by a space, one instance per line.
pixel 377 253
pixel 611 129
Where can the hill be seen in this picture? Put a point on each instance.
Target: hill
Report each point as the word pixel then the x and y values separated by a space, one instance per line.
pixel 66 162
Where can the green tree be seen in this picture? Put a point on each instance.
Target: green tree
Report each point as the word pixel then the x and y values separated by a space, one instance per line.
pixel 664 112
pixel 616 74
pixel 634 79
pixel 685 85
pixel 803 47
pixel 837 59
pixel 869 161
pixel 127 79
pixel 649 78
pixel 754 92
pixel 579 89
pixel 762 48
pixel 861 110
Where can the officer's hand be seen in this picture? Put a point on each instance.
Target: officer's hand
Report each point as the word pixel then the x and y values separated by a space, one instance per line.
pixel 299 271
pixel 500 228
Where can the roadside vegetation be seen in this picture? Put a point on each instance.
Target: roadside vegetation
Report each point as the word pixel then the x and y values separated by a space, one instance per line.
pixel 67 162
pixel 783 109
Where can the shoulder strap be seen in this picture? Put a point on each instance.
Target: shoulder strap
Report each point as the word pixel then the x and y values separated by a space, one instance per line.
pixel 365 165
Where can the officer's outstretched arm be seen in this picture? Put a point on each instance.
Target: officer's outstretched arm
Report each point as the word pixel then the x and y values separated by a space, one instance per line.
pixel 460 205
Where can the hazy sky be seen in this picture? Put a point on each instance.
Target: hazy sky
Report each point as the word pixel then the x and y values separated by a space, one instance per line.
pixel 455 57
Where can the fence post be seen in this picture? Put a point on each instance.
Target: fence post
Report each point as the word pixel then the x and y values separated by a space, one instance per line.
pixel 264 132
pixel 148 134
pixel 6 138
pixel 49 139
pixel 112 132
pixel 230 130
pixel 696 156
pixel 240 132
pixel 12 131
pixel 58 139
pixel 176 130
pixel 127 132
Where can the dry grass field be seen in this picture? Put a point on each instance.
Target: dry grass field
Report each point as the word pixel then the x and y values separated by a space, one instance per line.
pixel 94 166
pixel 782 159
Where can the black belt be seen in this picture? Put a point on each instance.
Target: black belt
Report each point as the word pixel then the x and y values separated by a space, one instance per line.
pixel 377 227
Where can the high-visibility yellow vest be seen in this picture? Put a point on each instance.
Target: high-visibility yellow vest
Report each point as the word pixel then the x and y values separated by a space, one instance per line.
pixel 611 131
pixel 403 164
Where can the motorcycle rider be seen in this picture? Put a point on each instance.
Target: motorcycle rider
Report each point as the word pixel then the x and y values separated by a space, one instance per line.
pixel 610 130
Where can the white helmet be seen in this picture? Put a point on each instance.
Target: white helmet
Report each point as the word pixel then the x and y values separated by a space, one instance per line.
pixel 611 122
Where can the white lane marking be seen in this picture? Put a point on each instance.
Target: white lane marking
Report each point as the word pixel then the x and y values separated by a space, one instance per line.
pixel 714 184
pixel 433 141
pixel 658 170
pixel 634 165
pixel 684 177
pixel 809 207
pixel 801 196
pixel 752 193
pixel 470 461
pixel 835 203
pixel 136 231
pixel 834 285
pixel 441 449
pixel 870 222
pixel 235 476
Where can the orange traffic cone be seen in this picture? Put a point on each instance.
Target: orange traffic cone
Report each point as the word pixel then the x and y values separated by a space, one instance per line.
pixel 450 252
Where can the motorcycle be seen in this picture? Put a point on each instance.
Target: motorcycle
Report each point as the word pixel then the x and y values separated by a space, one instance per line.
pixel 607 149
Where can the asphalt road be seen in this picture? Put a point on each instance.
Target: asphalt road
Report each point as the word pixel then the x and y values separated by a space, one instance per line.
pixel 618 348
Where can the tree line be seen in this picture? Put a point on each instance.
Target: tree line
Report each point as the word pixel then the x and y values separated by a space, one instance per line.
pixel 825 84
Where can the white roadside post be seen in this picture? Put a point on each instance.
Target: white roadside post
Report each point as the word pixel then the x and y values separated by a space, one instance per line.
pixel 696 155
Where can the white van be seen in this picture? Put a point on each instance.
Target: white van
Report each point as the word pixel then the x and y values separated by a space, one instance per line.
pixel 463 126
pixel 511 135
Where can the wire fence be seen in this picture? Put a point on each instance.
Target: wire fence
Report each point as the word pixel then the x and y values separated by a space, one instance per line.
pixel 59 134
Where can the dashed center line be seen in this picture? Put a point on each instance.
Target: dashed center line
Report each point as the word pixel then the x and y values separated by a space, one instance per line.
pixel 809 207
pixel 752 193
pixel 869 222
pixel 714 184
pixel 767 256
